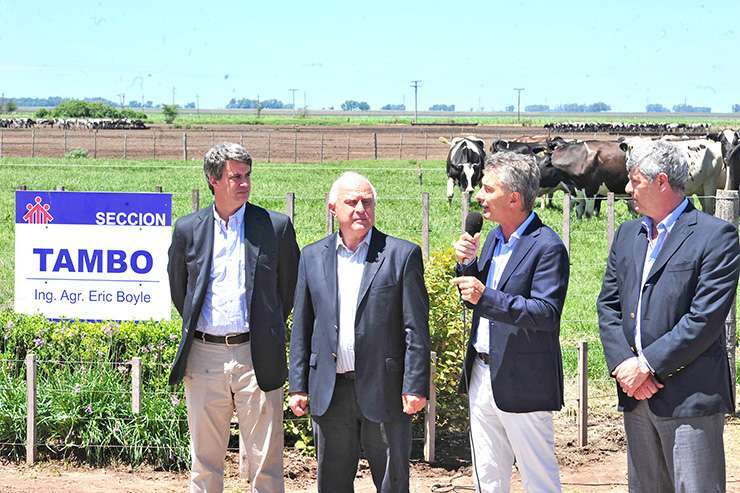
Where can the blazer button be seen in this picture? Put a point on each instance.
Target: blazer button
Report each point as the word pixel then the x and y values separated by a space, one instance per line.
pixel 334 355
pixel 633 349
pixel 632 315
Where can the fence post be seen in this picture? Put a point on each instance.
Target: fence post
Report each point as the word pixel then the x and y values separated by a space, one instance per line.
pixel 425 225
pixel 2 134
pixel 290 206
pixel 65 142
pixel 347 147
pixel 609 220
pixel 430 416
pixel 727 209
pixel 464 208
pixel 295 146
pixel 582 393
pixel 154 145
pixel 136 385
pixel 33 142
pixel 241 139
pixel 125 145
pixel 30 408
pixel 195 199
pixel 329 216
pixel 95 144
pixel 400 147
pixel 375 146
pixel 269 147
pixel 426 148
pixel 184 146
pixel 566 222
pixel 321 160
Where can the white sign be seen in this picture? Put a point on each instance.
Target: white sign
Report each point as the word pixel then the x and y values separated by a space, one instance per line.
pixel 92 255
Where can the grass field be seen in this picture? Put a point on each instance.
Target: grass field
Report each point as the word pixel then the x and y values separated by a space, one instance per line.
pixel 398 213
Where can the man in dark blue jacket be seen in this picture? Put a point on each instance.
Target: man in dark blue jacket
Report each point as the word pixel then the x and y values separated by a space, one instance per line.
pixel 513 368
pixel 669 283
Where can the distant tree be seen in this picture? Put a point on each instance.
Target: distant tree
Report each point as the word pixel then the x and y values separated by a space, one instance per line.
pixel 394 107
pixel 656 108
pixel 190 106
pixel 509 109
pixel 442 107
pixel 363 106
pixel 687 108
pixel 10 106
pixel 148 104
pixel 170 113
pixel 599 107
pixel 736 108
pixel 134 104
pixel 352 105
pixel 537 108
pixel 74 108
pixel 42 113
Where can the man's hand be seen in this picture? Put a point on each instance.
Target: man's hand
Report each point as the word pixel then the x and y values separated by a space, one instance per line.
pixel 471 289
pixel 298 403
pixel 412 404
pixel 648 389
pixel 466 247
pixel 630 376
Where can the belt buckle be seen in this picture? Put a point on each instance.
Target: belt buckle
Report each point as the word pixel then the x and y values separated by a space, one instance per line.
pixel 226 340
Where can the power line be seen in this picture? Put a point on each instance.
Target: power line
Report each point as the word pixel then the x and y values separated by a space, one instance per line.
pixel 415 84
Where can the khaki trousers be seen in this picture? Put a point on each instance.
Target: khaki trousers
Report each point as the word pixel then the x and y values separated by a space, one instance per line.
pixel 219 379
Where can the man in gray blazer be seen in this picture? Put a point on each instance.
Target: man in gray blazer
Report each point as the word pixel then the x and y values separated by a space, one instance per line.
pixel 669 283
pixel 360 344
pixel 232 269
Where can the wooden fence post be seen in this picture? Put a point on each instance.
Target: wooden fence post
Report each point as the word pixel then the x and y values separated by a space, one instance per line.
pixel 33 142
pixel 2 134
pixel 125 145
pixel 430 416
pixel 609 220
pixel 269 147
pixel 425 225
pixel 321 160
pixel 582 393
pixel 426 147
pixel 95 144
pixel 154 145
pixel 295 146
pixel 727 209
pixel 195 199
pixel 184 146
pixel 347 147
pixel 329 216
pixel 136 385
pixel 290 206
pixel 241 139
pixel 375 146
pixel 30 408
pixel 566 222
pixel 65 143
pixel 465 207
pixel 400 147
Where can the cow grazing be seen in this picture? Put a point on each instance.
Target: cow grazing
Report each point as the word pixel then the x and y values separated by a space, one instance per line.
pixel 465 162
pixel 595 167
pixel 730 141
pixel 706 166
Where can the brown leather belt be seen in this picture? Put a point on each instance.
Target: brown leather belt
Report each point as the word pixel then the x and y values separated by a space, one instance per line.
pixel 350 375
pixel 484 358
pixel 231 340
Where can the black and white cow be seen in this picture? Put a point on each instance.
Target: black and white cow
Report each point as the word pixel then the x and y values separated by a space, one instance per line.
pixel 730 141
pixel 465 162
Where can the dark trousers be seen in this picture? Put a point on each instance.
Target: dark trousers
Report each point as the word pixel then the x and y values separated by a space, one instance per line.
pixel 342 433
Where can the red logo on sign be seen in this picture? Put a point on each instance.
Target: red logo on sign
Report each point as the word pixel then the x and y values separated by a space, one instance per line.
pixel 38 213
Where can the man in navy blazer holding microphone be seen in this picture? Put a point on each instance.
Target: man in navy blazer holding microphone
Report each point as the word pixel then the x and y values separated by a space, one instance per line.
pixel 513 369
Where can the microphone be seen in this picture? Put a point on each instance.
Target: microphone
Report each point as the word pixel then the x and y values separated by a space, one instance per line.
pixel 473 223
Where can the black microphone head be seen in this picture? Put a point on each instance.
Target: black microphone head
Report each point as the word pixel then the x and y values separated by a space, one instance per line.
pixel 473 223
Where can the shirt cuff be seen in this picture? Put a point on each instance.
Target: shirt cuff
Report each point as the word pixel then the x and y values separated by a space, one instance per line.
pixel 468 264
pixel 644 364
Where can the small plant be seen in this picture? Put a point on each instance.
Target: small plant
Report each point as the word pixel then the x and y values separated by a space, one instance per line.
pixel 77 153
pixel 170 113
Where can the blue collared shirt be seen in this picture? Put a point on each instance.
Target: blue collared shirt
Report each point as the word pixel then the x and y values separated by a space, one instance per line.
pixel 655 245
pixel 501 255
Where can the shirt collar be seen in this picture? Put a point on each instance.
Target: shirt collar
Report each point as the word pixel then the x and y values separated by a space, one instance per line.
pixel 668 222
pixel 236 219
pixel 365 240
pixel 516 234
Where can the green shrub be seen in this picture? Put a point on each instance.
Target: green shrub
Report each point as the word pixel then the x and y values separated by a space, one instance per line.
pixel 75 108
pixel 170 113
pixel 77 153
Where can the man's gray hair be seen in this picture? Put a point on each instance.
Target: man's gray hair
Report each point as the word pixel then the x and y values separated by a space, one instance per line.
pixel 348 176
pixel 659 156
pixel 216 157
pixel 518 172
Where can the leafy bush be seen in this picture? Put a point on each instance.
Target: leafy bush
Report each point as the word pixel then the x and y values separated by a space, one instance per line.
pixel 74 108
pixel 76 153
pixel 170 113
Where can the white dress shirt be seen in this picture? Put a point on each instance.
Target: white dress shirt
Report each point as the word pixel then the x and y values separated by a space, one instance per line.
pixel 664 228
pixel 501 254
pixel 350 266
pixel 224 308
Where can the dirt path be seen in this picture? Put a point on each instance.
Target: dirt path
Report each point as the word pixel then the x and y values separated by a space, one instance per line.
pixel 600 467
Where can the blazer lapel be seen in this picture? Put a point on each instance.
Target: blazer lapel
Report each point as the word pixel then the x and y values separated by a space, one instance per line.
pixel 524 245
pixel 683 228
pixel 252 233
pixel 203 243
pixel 639 250
pixel 373 262
pixel 330 274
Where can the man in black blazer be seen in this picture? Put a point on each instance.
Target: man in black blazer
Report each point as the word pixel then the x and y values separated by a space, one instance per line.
pixel 669 283
pixel 232 270
pixel 513 369
pixel 360 344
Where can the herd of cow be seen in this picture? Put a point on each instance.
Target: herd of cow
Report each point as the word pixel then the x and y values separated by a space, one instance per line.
pixel 75 123
pixel 621 128
pixel 589 169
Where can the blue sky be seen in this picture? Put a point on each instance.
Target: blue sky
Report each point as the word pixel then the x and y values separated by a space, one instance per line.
pixel 470 54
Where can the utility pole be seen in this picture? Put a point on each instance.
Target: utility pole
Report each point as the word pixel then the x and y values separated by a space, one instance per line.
pixel 197 104
pixel 293 95
pixel 173 95
pixel 519 103
pixel 122 97
pixel 415 84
